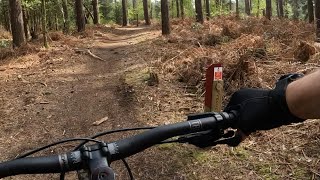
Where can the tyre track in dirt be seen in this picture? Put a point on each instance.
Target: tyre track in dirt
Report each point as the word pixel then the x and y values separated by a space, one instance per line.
pixel 70 95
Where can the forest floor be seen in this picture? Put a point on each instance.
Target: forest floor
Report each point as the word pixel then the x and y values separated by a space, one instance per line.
pixel 134 77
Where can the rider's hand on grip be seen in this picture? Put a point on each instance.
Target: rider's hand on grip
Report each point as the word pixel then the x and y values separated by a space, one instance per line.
pixel 261 109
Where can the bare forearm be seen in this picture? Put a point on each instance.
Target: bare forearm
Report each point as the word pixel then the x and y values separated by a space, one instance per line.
pixel 303 96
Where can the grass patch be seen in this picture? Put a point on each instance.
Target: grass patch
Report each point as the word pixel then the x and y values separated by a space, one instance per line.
pixel 265 170
pixel 4 43
pixel 201 156
pixel 240 152
pixel 144 76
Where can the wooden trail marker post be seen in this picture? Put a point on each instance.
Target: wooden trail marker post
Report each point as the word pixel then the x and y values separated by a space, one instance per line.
pixel 214 88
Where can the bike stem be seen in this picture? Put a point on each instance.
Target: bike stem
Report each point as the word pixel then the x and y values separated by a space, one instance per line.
pixel 96 158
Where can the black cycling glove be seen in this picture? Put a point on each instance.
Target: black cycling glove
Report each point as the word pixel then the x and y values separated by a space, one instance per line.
pixel 261 109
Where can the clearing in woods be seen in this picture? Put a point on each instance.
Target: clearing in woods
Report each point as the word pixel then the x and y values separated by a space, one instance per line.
pixel 128 77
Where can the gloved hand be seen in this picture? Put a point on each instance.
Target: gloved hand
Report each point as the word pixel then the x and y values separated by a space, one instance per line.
pixel 263 109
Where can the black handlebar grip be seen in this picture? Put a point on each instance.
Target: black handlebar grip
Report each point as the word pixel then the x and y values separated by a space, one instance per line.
pixel 199 122
pixel 230 118
pixel 42 165
pixel 30 165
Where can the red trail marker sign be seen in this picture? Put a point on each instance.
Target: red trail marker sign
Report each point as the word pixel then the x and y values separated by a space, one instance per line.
pixel 214 88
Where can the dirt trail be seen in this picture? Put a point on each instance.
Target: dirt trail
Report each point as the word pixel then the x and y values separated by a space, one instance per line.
pixel 61 96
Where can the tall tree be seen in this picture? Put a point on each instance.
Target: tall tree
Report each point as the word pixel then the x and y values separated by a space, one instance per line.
pixel 247 7
pixel 280 7
pixel 237 8
pixel 165 17
pixel 217 3
pixel 317 12
pixel 124 13
pixel 199 14
pixel 286 11
pixel 295 9
pixel 95 11
pixel 172 9
pixel 310 11
pixel 66 21
pixel 6 15
pixel 81 23
pixel 277 7
pixel 182 9
pixel 44 29
pixel 258 8
pixel 151 10
pixel 25 24
pixel 208 9
pixel 136 14
pixel 178 8
pixel 268 9
pixel 146 12
pixel 230 5
pixel 17 28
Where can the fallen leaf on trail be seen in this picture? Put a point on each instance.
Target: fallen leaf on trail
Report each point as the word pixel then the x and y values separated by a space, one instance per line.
pixel 97 123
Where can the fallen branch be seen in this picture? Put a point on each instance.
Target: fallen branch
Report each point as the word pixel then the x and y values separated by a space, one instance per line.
pixel 97 123
pixel 168 61
pixel 88 52
pixel 94 56
pixel 88 11
pixel 43 102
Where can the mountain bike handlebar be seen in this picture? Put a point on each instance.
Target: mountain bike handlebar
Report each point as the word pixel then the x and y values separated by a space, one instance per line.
pixel 132 145
pixel 97 158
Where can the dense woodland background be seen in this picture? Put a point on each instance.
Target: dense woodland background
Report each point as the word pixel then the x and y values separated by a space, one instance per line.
pixel 28 18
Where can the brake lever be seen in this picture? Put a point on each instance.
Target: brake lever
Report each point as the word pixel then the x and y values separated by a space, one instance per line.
pixel 232 141
pixel 211 138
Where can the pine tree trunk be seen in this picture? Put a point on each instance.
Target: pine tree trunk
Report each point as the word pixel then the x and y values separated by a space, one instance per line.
pixel 146 12
pixel 165 17
pixel 44 29
pixel 25 24
pixel 280 4
pixel 286 11
pixel 124 13
pixel 6 15
pixel 56 22
pixel 151 10
pixel 134 4
pixel 247 7
pixel 310 11
pixel 258 8
pixel 34 26
pixel 217 3
pixel 50 19
pixel 136 15
pixel 178 8
pixel 268 9
pixel 17 23
pixel 230 5
pixel 295 10
pixel 277 7
pixel 199 14
pixel 182 9
pixel 317 12
pixel 95 11
pixel 81 23
pixel 208 9
pixel 172 5
pixel 104 9
pixel 237 9
pixel 66 22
